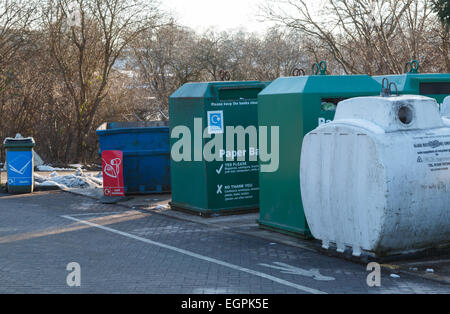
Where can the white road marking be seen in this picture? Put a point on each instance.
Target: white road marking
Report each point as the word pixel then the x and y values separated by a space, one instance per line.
pixel 288 269
pixel 200 257
pixel 98 214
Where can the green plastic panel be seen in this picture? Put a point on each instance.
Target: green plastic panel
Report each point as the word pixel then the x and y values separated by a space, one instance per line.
pixel 298 105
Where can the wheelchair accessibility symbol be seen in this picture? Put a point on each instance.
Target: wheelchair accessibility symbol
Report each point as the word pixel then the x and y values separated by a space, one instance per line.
pixel 11 181
pixel 215 122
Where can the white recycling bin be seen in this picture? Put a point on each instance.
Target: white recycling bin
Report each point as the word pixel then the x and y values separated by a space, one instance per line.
pixel 445 110
pixel 377 178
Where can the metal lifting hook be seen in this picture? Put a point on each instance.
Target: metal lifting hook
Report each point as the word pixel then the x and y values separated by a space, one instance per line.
pixel 386 88
pixel 319 68
pixel 224 75
pixel 412 67
pixel 298 72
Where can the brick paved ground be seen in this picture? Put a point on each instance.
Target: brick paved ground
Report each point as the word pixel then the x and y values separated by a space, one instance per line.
pixel 128 251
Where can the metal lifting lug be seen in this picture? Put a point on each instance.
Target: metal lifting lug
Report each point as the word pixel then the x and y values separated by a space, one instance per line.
pixel 386 88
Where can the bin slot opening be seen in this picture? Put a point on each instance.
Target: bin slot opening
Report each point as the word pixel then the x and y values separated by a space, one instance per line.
pixel 435 88
pixel 330 104
pixel 239 93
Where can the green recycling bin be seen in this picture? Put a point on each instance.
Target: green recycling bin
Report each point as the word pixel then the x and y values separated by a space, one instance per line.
pixel 297 105
pixel 19 164
pixel 211 175
pixel 434 85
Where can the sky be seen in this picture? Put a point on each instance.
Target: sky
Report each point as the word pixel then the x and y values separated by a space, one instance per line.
pixel 202 15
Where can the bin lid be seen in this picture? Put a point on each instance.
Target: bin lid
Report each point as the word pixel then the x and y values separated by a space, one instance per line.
pixel 391 114
pixel 132 125
pixel 220 90
pixel 323 85
pixel 10 142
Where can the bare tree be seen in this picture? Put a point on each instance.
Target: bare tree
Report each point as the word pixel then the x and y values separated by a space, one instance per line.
pixel 15 19
pixel 209 53
pixel 363 36
pixel 281 53
pixel 164 59
pixel 86 52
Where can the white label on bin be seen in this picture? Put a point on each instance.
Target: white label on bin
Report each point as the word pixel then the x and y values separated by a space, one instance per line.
pixel 215 122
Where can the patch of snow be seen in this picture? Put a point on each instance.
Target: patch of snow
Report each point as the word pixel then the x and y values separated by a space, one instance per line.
pixel 395 276
pixel 49 183
pixel 47 168
pixel 76 166
pixel 74 181
pixel 93 175
pixel 96 180
pixel 39 179
pixel 77 180
pixel 53 174
pixel 79 172
pixel 430 270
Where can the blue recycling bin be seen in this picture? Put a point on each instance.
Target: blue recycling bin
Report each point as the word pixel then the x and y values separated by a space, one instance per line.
pixel 19 164
pixel 146 154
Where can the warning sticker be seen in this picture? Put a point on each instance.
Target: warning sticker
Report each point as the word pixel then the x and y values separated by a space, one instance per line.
pixel 434 153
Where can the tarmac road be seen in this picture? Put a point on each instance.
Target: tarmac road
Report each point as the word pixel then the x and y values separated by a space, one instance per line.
pixel 121 250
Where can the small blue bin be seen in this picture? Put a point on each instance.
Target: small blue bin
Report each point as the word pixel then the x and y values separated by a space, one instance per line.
pixel 146 154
